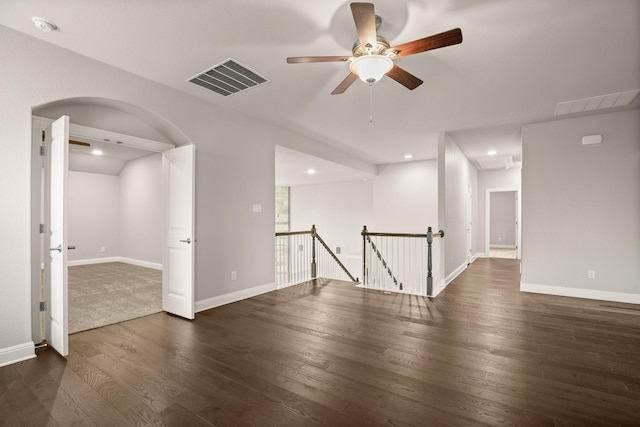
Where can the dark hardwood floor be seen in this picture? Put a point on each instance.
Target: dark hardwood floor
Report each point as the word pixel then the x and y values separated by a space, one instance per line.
pixel 327 353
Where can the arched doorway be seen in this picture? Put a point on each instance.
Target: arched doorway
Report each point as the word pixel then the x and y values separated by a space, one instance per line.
pixel 119 127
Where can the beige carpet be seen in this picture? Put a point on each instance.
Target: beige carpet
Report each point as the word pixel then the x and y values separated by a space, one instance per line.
pixel 102 294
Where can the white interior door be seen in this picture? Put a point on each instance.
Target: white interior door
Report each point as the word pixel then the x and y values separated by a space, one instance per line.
pixel 178 190
pixel 55 236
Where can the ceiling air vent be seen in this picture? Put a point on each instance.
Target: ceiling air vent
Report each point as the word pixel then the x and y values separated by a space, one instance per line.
pixel 495 162
pixel 612 100
pixel 228 78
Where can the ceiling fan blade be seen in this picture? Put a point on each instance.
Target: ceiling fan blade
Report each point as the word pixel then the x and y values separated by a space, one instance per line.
pixel 84 144
pixel 435 41
pixel 365 19
pixel 348 81
pixel 305 59
pixel 403 77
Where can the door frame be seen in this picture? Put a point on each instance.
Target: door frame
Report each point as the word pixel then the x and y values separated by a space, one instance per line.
pixel 38 124
pixel 469 234
pixel 487 219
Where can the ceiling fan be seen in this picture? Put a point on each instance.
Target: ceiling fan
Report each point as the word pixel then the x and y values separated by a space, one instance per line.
pixel 372 55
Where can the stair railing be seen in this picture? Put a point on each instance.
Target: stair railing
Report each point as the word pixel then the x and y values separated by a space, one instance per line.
pixel 398 262
pixel 299 258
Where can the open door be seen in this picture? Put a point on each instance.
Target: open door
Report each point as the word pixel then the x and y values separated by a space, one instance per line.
pixel 55 236
pixel 178 190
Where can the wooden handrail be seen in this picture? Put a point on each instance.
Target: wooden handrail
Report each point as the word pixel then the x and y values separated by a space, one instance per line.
pixel 335 258
pixel 424 236
pixel 292 233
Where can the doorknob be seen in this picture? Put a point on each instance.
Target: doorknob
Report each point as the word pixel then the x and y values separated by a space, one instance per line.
pixel 59 248
pixel 188 240
pixel 71 247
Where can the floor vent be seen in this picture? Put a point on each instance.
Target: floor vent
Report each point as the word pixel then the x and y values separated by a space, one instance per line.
pixel 228 78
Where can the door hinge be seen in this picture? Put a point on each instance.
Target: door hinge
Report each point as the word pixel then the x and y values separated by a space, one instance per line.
pixel 41 228
pixel 42 153
pixel 43 306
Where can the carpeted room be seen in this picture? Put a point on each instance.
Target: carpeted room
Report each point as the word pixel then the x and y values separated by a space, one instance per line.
pixel 114 226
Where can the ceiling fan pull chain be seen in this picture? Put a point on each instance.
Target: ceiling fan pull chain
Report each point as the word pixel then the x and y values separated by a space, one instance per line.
pixel 370 102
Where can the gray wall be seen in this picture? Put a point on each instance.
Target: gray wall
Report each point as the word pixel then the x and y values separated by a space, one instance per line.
pixel 234 170
pixel 140 214
pixel 502 208
pixel 121 213
pixel 581 205
pixel 93 206
pixel 460 176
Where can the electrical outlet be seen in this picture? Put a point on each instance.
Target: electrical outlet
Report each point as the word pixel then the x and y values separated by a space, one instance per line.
pixel 234 275
pixel 103 249
pixel 591 274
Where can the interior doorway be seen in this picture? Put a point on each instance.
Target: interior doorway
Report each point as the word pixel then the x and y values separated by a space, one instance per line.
pixel 502 231
pixel 170 176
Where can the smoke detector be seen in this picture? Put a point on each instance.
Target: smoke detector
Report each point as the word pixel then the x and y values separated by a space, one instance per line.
pixel 44 25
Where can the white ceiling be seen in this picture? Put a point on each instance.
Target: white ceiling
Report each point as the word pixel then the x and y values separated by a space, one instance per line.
pixel 111 162
pixel 518 60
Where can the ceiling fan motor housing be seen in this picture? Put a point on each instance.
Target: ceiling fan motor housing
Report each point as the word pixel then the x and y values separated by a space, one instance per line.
pixel 379 49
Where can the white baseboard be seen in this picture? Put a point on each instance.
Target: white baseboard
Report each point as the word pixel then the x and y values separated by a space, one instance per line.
pixel 480 255
pixel 438 287
pixel 132 261
pixel 581 293
pixel 140 263
pixel 233 297
pixel 17 353
pixel 455 273
pixel 502 246
pixel 93 261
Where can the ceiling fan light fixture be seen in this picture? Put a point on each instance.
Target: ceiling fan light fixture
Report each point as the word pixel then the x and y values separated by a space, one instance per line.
pixel 371 68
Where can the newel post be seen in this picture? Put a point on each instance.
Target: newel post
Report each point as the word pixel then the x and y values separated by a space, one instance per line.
pixel 313 252
pixel 364 251
pixel 429 275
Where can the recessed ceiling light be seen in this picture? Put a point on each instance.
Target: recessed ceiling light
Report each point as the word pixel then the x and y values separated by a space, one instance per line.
pixel 408 156
pixel 97 152
pixel 311 171
pixel 44 25
pixel 491 152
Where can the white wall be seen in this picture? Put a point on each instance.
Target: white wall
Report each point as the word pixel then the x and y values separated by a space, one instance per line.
pixel 581 207
pixel 339 211
pixel 405 197
pixel 140 188
pixel 93 206
pixel 503 219
pixel 230 177
pixel 460 177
